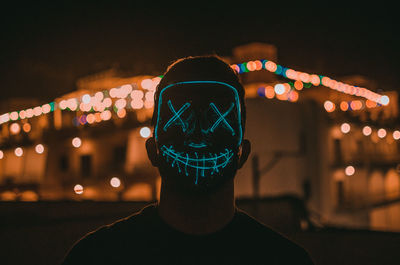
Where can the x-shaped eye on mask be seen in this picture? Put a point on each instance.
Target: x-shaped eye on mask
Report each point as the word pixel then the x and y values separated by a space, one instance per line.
pixel 221 118
pixel 177 116
pixel 232 124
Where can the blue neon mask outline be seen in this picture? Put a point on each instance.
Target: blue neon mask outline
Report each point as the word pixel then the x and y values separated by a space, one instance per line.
pixel 177 115
pixel 237 101
pixel 212 163
pixel 222 118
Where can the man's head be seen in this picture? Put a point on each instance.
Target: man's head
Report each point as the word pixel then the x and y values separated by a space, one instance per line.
pixel 199 119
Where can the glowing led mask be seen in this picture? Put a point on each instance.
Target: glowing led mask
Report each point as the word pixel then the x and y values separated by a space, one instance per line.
pixel 198 128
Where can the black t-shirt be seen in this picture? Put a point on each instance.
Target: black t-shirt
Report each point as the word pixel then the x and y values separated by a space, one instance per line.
pixel 144 238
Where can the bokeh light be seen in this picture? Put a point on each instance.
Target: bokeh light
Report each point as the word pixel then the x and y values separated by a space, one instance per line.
pixel 26 127
pixel 329 106
pixel 145 132
pixel 396 135
pixel 115 182
pixel 76 142
pixel 345 128
pixel 381 133
pixel 15 128
pixel 1 154
pixel 279 89
pixel 367 130
pixel 349 170
pixel 39 148
pixel 18 151
pixel 78 189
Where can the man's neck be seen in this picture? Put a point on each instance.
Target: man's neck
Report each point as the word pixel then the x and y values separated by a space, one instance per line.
pixel 197 214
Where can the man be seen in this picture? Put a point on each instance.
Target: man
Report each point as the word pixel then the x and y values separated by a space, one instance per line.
pixel 197 145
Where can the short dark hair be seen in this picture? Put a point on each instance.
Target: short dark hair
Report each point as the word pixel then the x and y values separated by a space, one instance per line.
pixel 210 67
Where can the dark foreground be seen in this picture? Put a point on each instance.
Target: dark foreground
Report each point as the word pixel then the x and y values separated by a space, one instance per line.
pixel 42 232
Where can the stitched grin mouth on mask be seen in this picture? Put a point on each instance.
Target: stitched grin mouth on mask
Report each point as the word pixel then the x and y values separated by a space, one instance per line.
pixel 199 164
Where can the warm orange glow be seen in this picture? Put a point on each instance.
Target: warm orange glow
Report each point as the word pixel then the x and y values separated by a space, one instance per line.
pixel 14 116
pixel 381 133
pixel 148 104
pixel 345 128
pixel 90 118
pixel 26 127
pixel 46 108
pixel 76 142
pixel 137 104
pixel 367 130
pixel 29 196
pixel 147 83
pixel 121 113
pixel 72 104
pixel 78 189
pixel 344 106
pixel 105 115
pixel 292 74
pixel 37 111
pixel 396 135
pixel 304 77
pixel 270 66
pixel 1 154
pixel 251 66
pixel 329 106
pixel 137 95
pixel 258 64
pixel 120 103
pixel 15 128
pixel 349 170
pixel 356 105
pixel 18 151
pixel 325 81
pixel 370 104
pixel 99 96
pixel 107 102
pixel 97 117
pixel 29 113
pixel 298 85
pixel 269 92
pixel 39 148
pixel 115 182
pixel 22 114
pixel 235 67
pixel 287 87
pixel 315 80
pixel 293 96
pixel 284 96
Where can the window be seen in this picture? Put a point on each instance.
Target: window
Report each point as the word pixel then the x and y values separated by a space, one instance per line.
pixel 64 163
pixel 86 166
pixel 119 156
pixel 340 193
pixel 337 150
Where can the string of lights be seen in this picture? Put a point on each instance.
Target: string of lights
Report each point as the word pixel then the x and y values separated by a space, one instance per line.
pixel 99 102
pixel 313 79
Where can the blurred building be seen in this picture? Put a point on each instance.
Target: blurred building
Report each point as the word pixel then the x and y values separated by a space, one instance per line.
pixel 337 152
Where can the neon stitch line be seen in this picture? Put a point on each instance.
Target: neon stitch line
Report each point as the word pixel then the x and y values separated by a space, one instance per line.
pixel 202 82
pixel 177 115
pixel 194 162
pixel 221 118
pixel 194 145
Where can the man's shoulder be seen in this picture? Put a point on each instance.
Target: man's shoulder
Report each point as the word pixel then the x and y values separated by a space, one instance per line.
pixel 126 225
pixel 267 238
pixel 112 236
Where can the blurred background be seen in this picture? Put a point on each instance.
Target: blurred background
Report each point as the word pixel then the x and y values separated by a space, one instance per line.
pixel 77 85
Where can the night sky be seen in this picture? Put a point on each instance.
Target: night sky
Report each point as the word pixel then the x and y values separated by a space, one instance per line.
pixel 46 46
